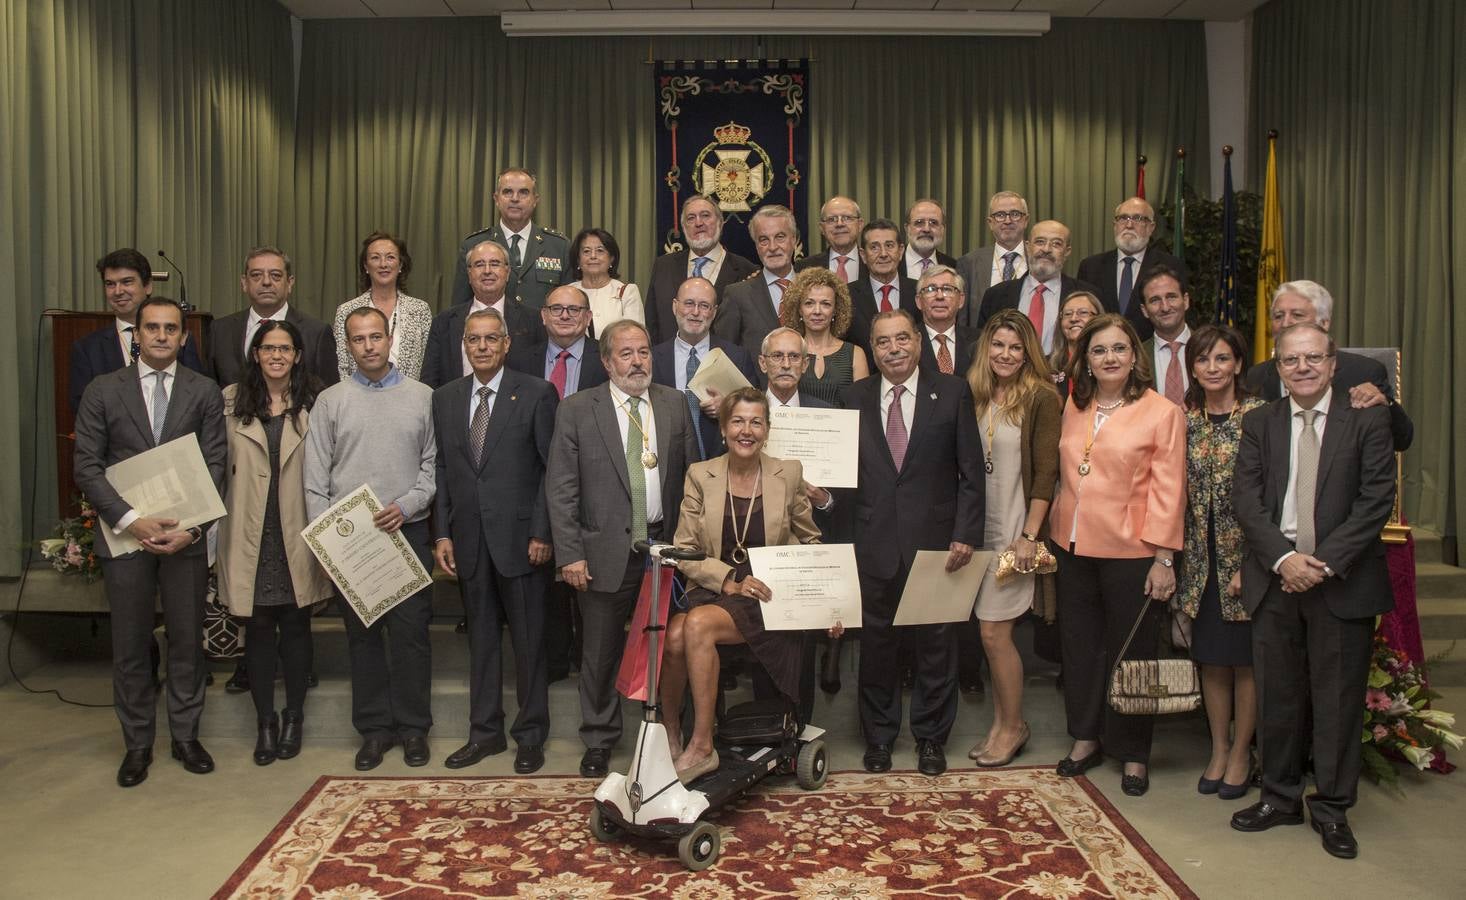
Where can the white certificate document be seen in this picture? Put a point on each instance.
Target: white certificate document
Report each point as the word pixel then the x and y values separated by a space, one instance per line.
pixel 934 596
pixel 716 371
pixel 374 570
pixel 170 481
pixel 825 441
pixel 812 586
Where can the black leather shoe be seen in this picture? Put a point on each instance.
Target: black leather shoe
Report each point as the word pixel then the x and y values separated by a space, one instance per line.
pixel 238 683
pixel 1135 785
pixel 1262 816
pixel 595 763
pixel 415 751
pixel 1070 768
pixel 931 759
pixel 193 756
pixel 473 752
pixel 973 686
pixel 292 730
pixel 134 768
pixel 462 626
pixel 877 758
pixel 1338 839
pixel 267 743
pixel 370 754
pixel 529 759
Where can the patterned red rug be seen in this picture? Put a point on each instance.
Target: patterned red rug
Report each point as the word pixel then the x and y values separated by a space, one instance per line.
pixel 1005 833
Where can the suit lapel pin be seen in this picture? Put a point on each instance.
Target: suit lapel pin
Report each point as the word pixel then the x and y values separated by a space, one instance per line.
pixel 934 395
pixel 513 396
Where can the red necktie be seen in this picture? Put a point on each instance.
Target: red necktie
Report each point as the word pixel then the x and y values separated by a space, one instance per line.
pixel 944 356
pixel 842 269
pixel 1174 392
pixel 885 298
pixel 1036 310
pixel 557 374
pixel 896 437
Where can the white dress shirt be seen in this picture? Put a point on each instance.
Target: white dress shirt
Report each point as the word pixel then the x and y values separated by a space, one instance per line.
pixel 775 402
pixel 523 233
pixel 908 400
pixel 895 283
pixel 493 385
pixel 852 263
pixel 125 335
pixel 1052 290
pixel 913 262
pixel 252 324
pixel 1161 360
pixel 649 428
pixel 145 384
pixel 1120 272
pixel 716 254
pixel 776 292
pixel 1020 265
pixel 1288 520
pixel 680 350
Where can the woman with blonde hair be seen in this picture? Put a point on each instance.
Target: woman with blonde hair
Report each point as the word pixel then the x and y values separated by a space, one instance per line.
pixel 1017 411
pixel 817 305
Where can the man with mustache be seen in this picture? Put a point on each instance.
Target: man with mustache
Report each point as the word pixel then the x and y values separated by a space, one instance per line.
pixel 1041 292
pixel 1003 259
pixel 926 229
pixel 1119 273
pixel 617 461
pixel 840 224
pixel 703 257
pixel 268 280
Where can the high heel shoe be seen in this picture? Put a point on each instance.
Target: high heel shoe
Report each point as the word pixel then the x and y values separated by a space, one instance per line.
pixel 698 769
pixel 1206 785
pixel 1227 791
pixel 990 760
pixel 292 729
pixel 978 749
pixel 267 744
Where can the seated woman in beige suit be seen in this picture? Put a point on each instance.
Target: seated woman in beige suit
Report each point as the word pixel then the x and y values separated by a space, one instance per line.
pixel 736 501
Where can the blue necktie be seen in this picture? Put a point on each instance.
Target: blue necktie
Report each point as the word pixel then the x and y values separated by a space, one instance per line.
pixel 693 406
pixel 698 265
pixel 1127 283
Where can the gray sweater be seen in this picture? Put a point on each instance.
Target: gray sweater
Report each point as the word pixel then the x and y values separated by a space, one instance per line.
pixel 382 437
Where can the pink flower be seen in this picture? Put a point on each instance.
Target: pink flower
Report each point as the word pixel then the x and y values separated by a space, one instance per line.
pixel 1380 733
pixel 1376 699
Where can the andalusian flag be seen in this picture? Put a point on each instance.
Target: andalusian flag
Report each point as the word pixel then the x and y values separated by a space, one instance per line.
pixel 1272 267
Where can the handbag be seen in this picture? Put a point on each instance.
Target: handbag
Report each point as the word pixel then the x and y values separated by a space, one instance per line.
pixel 1150 687
pixel 223 634
pixel 1044 563
pixel 631 678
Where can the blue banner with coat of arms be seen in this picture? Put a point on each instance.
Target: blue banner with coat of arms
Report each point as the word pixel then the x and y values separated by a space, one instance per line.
pixel 736 132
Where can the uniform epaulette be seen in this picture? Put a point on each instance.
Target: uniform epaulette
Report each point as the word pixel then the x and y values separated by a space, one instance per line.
pixel 474 234
pixel 548 230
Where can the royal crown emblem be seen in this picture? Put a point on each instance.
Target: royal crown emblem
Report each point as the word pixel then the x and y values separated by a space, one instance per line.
pixel 738 171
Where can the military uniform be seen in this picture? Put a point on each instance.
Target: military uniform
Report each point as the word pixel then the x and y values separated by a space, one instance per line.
pixel 544 264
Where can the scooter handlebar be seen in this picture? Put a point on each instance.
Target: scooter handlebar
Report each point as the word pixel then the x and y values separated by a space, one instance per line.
pixel 669 551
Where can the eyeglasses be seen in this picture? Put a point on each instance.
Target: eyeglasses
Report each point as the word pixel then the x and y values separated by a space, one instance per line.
pixel 1008 215
pixel 1313 359
pixel 788 359
pixel 949 290
pixel 560 310
pixel 839 218
pixel 276 349
pixel 1057 243
pixel 1100 352
pixel 1133 220
pixel 701 306
pixel 489 264
pixel 926 223
pixel 1082 314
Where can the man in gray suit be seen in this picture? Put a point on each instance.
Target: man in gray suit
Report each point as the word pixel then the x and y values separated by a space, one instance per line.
pixel 124 413
pixel 1003 259
pixel 750 309
pixel 267 281
pixel 615 477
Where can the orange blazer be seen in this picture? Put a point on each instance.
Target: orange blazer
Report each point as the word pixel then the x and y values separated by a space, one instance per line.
pixel 1134 497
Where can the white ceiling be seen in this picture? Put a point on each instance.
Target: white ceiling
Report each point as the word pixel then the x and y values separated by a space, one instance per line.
pixel 1213 10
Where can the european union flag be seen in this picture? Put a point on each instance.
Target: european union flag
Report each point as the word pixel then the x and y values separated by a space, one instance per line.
pixel 1227 310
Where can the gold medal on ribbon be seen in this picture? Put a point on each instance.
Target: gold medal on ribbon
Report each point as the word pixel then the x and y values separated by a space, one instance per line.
pixel 648 459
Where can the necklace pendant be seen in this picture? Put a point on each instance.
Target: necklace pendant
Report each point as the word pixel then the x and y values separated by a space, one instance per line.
pixel 648 459
pixel 1083 468
pixel 988 465
pixel 739 555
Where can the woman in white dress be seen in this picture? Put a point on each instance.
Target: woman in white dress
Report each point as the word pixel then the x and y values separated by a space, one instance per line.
pixel 594 260
pixel 1018 415
pixel 381 273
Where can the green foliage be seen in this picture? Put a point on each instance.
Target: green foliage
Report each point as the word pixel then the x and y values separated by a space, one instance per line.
pixel 1203 253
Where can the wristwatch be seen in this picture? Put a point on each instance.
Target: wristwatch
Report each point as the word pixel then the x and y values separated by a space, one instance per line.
pixel 1165 562
pixel 195 532
pixel 1031 538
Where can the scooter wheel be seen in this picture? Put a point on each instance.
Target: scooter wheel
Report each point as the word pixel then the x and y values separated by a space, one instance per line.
pixel 699 847
pixel 810 768
pixel 603 828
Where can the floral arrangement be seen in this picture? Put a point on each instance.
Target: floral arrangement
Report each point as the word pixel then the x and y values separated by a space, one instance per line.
pixel 70 551
pixel 1397 719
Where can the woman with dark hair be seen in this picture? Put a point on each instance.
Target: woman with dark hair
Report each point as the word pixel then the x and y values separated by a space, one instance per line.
pixel 381 274
pixel 1018 415
pixel 1074 313
pixel 267 575
pixel 595 258
pixel 1209 583
pixel 817 305
pixel 1116 524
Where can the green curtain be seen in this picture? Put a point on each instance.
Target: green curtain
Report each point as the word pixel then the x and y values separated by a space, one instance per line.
pixel 158 124
pixel 1371 115
pixel 403 123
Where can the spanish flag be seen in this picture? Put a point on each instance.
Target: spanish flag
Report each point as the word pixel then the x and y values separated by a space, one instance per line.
pixel 1272 267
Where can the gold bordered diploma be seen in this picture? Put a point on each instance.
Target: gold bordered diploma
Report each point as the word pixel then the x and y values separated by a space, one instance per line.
pixel 374 570
pixel 824 441
pixel 170 481
pixel 812 586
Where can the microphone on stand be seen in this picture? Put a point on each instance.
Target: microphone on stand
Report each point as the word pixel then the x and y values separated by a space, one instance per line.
pixel 182 283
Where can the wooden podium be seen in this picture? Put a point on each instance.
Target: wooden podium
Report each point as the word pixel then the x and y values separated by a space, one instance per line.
pixel 66 329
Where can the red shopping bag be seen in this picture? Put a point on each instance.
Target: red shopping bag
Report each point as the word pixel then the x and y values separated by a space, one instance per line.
pixel 631 680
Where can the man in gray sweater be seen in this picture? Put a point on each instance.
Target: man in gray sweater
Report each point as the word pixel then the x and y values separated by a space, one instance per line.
pixel 376 428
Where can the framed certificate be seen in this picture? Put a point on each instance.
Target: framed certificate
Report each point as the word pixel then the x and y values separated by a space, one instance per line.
pixel 375 570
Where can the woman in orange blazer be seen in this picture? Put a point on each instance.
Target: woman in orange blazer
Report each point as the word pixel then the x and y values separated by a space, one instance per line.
pixel 1116 525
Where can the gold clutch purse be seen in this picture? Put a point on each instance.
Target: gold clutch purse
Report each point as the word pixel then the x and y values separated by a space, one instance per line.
pixel 1043 563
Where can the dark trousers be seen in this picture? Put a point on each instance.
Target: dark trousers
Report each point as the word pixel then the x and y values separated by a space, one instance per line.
pixel 933 654
pixel 491 600
pixel 970 655
pixel 602 640
pixel 1099 600
pixel 282 632
pixel 391 662
pixel 1306 660
pixel 134 584
pixel 562 627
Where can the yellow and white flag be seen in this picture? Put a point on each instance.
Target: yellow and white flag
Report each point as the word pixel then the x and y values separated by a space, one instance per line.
pixel 1272 266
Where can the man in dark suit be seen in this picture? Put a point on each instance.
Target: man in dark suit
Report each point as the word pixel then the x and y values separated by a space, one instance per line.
pixel 127 281
pixel 1315 483
pixel 946 346
pixel 919 489
pixel 1165 304
pixel 883 287
pixel 840 224
pixel 539 257
pixel 1003 259
pixel 703 257
pixel 1041 292
pixel 267 281
pixel 615 475
pixel 1117 274
pixel 674 362
pixel 1365 379
pixel 493 533
pixel 489 276
pixel 125 413
pixel 926 228
pixel 750 308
